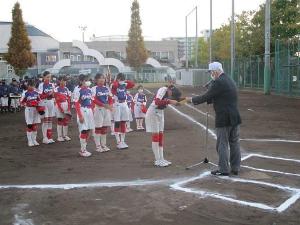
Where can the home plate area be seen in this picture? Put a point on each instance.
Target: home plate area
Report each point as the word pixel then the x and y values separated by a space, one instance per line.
pixel 268 184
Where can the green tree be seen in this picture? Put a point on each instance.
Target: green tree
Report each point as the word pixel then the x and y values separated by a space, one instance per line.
pixel 221 43
pixel 19 48
pixel 203 54
pixel 285 23
pixel 136 52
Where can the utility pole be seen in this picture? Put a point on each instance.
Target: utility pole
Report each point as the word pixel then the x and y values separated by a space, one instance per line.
pixel 267 77
pixel 196 44
pixel 232 42
pixel 186 38
pixel 210 33
pixel 186 45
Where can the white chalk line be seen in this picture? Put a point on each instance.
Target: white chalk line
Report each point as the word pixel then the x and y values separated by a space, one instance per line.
pixel 198 110
pixel 91 185
pixel 269 140
pixel 282 207
pixel 273 158
pixel 20 214
pixel 211 132
pixel 180 186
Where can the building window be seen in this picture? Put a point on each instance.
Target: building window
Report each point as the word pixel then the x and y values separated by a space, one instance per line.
pixel 72 57
pixel 51 58
pixel 66 55
pixel 10 69
pixel 78 58
pixel 155 55
pixel 1 58
pixel 164 55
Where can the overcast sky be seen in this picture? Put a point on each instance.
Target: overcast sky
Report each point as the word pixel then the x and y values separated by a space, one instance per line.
pixel 160 18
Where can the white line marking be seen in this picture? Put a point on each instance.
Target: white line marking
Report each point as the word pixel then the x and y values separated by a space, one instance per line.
pixel 20 212
pixel 211 132
pixel 199 111
pixel 288 203
pixel 271 171
pixel 90 185
pixel 296 193
pixel 274 158
pixel 269 140
pixel 278 186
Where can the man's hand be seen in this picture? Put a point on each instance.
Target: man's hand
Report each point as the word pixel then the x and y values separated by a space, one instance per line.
pixel 173 102
pixel 188 99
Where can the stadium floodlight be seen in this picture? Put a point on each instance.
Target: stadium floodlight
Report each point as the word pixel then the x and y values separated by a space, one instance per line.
pixel 186 38
pixel 83 29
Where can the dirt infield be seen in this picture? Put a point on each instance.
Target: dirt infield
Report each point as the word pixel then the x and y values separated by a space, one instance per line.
pixel 123 187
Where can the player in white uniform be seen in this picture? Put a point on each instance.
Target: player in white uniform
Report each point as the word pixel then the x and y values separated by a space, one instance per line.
pixel 62 109
pixel 155 123
pixel 46 91
pixel 102 112
pixel 119 89
pixel 140 101
pixel 30 99
pixel 85 118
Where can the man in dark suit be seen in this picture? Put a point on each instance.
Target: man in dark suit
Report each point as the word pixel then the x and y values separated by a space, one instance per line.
pixel 222 93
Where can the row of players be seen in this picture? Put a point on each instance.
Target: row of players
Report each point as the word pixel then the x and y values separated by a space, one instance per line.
pixel 10 96
pixel 95 107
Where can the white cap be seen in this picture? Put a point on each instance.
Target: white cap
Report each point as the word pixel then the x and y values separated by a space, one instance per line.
pixel 214 66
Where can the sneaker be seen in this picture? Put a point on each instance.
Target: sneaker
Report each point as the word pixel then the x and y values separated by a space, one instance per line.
pixel 167 162
pixel 46 141
pixel 67 138
pixel 122 146
pixel 51 141
pixel 161 163
pixel 60 139
pixel 30 144
pixel 85 153
pixel 218 173
pixel 105 148
pixel 99 149
pixel 36 143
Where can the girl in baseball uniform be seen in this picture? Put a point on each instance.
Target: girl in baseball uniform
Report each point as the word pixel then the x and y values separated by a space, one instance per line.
pixel 121 115
pixel 30 99
pixel 140 101
pixel 102 112
pixel 155 123
pixel 62 109
pixel 46 91
pixel 85 117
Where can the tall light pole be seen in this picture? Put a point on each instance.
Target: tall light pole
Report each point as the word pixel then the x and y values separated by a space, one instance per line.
pixel 267 78
pixel 83 29
pixel 186 39
pixel 186 45
pixel 210 33
pixel 232 42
